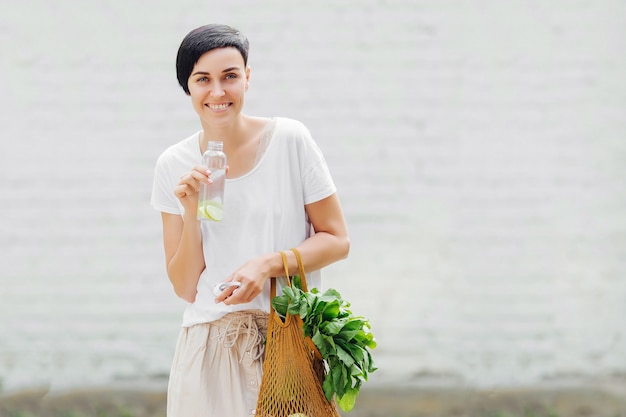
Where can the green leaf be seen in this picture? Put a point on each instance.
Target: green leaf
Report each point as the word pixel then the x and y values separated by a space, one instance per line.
pixel 370 362
pixel 365 339
pixel 356 351
pixel 328 387
pixel 333 327
pixel 355 370
pixel 311 298
pixel 296 282
pixel 319 307
pixel 280 304
pixel 347 401
pixel 332 294
pixel 294 307
pixel 371 343
pixel 344 356
pixel 339 375
pixel 347 335
pixel 304 309
pixel 356 323
pixel 289 292
pixel 325 344
pixel 331 310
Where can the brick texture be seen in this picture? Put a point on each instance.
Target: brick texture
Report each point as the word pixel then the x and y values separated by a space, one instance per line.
pixel 478 147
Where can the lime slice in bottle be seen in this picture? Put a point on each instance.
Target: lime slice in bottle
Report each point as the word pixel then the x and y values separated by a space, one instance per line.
pixel 212 210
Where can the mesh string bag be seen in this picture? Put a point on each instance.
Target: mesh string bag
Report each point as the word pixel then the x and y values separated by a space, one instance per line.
pixel 293 370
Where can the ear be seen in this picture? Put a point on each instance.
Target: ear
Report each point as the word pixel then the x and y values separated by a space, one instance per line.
pixel 248 69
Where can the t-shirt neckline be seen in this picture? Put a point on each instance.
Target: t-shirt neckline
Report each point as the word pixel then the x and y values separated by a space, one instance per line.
pixel 269 128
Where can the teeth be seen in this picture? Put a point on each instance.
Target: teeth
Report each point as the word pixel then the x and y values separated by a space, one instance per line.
pixel 217 106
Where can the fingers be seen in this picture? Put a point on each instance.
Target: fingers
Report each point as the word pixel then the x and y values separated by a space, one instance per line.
pixel 189 183
pixel 238 295
pixel 243 294
pixel 251 277
pixel 224 295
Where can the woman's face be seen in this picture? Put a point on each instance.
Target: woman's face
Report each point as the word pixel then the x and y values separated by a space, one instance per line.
pixel 217 85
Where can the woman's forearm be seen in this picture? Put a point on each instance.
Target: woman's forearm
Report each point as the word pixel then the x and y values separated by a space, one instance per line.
pixel 318 251
pixel 185 267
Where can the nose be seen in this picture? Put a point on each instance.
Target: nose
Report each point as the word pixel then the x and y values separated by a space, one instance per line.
pixel 217 90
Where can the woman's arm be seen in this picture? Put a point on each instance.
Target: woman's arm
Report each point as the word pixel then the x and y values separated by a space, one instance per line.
pixel 182 237
pixel 329 244
pixel 183 254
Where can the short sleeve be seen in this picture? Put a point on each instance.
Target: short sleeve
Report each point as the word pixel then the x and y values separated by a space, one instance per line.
pixel 316 178
pixel 163 198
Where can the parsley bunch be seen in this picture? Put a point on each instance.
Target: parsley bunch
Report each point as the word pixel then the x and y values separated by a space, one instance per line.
pixel 343 339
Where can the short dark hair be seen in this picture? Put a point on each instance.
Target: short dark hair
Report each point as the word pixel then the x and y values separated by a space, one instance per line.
pixel 202 40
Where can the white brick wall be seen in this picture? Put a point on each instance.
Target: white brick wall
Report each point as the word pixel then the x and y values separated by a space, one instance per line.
pixel 478 148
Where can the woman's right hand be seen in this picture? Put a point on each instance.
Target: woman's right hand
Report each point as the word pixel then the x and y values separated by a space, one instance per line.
pixel 187 188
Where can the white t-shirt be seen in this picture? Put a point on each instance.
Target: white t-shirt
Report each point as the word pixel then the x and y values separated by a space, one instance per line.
pixel 263 210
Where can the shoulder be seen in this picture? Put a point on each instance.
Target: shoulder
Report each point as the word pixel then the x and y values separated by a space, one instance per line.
pixel 294 134
pixel 292 126
pixel 295 137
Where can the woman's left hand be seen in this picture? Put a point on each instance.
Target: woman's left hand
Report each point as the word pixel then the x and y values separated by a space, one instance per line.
pixel 252 275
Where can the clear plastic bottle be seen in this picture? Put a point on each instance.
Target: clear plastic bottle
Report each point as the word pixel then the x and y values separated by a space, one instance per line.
pixel 211 197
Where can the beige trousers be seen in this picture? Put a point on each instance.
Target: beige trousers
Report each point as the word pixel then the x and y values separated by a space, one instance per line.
pixel 217 367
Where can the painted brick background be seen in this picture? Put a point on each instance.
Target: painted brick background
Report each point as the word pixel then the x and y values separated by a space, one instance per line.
pixel 479 149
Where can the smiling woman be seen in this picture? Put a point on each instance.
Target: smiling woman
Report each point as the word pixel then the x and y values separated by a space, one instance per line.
pixel 278 194
pixel 217 86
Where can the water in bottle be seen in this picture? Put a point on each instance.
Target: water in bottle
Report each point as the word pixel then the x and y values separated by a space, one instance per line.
pixel 211 196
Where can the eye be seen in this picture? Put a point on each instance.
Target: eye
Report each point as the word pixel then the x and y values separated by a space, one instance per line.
pixel 231 76
pixel 202 79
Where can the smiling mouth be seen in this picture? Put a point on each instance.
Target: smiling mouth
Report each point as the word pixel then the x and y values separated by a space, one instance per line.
pixel 218 107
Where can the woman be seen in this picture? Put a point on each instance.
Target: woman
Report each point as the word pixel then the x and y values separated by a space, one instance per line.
pixel 278 195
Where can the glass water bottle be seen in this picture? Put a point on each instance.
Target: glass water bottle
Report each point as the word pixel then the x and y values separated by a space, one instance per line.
pixel 211 196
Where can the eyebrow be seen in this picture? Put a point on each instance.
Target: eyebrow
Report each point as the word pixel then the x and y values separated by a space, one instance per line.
pixel 230 69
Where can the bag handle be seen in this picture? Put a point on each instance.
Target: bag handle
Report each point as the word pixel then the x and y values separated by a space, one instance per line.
pixel 307 340
pixel 286 267
pixel 300 269
pixel 273 279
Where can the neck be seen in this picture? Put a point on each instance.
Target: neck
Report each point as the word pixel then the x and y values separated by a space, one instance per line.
pixel 232 134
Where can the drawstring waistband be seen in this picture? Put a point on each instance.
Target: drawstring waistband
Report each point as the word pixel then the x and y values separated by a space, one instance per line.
pixel 248 323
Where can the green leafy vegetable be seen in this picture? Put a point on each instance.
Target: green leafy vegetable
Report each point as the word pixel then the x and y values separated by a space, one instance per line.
pixel 343 339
